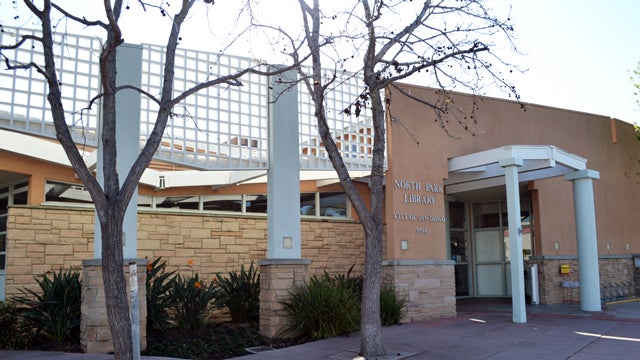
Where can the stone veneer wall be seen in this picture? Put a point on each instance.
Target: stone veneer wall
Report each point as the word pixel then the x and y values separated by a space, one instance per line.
pixel 617 278
pixel 95 336
pixel 427 285
pixel 277 277
pixel 42 239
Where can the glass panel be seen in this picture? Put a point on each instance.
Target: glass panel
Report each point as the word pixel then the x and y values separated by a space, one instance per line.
pixel 462 280
pixel 308 204
pixel 20 198
pixel 223 203
pixel 507 275
pixel 457 215
pixel 333 204
pixel 4 204
pixel 3 241
pixel 2 262
pixel 3 223
pixel 177 202
pixel 486 215
pixel 459 246
pixel 61 192
pixel 525 215
pixel 257 203
pixel 144 201
pixel 527 242
pixel 490 280
pixel 488 244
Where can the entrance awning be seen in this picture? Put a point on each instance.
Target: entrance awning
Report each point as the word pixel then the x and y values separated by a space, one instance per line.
pixel 510 165
pixel 482 169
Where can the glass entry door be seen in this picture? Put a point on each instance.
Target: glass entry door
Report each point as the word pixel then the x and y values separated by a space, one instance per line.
pixel 481 250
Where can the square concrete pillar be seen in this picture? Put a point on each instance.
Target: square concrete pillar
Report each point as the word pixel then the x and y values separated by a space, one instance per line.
pixel 95 336
pixel 428 287
pixel 277 278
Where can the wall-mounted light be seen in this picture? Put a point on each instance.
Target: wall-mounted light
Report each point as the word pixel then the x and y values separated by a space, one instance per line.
pixel 608 246
pixel 287 242
pixel 162 182
pixel 404 244
pixel 557 245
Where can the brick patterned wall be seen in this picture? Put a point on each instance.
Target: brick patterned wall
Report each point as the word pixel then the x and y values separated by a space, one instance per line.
pixel 42 239
pixel 95 336
pixel 617 275
pixel 277 277
pixel 428 287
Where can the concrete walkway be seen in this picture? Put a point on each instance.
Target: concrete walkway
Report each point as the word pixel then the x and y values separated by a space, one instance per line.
pixel 482 330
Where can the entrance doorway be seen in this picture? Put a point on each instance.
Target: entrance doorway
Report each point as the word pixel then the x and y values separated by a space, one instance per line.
pixel 480 247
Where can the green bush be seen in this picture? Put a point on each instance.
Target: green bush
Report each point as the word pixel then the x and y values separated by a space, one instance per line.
pixel 347 281
pixel 55 311
pixel 391 306
pixel 240 293
pixel 321 309
pixel 14 335
pixel 192 300
pixel 159 284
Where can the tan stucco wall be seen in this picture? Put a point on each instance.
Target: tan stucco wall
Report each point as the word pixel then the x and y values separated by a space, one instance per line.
pixel 43 239
pixel 419 150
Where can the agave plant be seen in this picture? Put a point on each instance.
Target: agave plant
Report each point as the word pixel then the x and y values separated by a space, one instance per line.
pixel 240 293
pixel 159 285
pixel 54 310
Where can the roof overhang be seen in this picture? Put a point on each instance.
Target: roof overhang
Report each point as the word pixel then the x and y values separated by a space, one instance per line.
pixel 482 169
pixel 51 151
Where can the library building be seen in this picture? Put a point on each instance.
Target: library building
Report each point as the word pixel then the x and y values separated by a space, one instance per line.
pixel 488 198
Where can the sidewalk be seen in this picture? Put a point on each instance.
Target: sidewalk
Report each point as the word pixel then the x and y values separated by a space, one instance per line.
pixel 482 330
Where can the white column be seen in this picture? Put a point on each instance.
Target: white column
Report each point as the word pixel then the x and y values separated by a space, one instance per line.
pixel 587 238
pixel 515 239
pixel 283 176
pixel 129 59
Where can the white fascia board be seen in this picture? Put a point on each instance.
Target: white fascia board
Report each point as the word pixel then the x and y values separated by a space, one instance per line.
pixel 33 147
pixel 189 178
pixel 91 159
pixel 524 152
pixel 195 178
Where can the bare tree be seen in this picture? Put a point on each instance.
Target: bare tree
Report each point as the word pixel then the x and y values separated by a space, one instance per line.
pixel 450 40
pixel 111 199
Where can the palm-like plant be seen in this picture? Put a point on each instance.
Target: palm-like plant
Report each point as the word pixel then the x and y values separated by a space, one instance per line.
pixel 240 293
pixel 55 310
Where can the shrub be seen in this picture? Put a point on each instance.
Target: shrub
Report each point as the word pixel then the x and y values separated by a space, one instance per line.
pixel 347 281
pixel 321 309
pixel 14 335
pixel 192 300
pixel 55 311
pixel 159 284
pixel 391 306
pixel 240 293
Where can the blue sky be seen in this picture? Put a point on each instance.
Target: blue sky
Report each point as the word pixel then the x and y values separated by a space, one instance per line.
pixel 578 54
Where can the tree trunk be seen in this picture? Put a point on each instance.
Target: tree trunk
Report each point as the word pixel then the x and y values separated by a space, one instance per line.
pixel 370 324
pixel 115 291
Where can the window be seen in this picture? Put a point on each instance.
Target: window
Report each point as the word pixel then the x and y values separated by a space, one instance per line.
pixel 222 203
pixel 69 193
pixel 308 204
pixel 331 204
pixel 256 203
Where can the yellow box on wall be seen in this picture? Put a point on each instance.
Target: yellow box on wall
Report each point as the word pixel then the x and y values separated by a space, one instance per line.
pixel 565 268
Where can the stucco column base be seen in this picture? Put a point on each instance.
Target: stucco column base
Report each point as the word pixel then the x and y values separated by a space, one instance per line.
pixel 95 336
pixel 277 278
pixel 428 287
